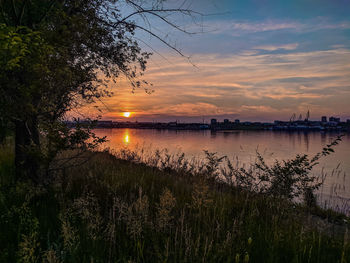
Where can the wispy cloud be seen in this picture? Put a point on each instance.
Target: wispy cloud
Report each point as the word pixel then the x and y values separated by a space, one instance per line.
pixel 248 86
pixel 237 28
pixel 276 47
pixel 265 26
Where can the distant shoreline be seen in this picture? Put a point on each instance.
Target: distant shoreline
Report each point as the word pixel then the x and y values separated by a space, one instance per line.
pixel 300 125
pixel 226 130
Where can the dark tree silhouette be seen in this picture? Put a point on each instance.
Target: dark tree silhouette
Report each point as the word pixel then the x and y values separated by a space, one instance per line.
pixel 54 58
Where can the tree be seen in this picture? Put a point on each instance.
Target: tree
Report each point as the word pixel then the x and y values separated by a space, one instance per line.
pixel 54 57
pixel 23 55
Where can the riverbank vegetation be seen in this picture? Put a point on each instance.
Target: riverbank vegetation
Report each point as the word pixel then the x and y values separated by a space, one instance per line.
pixel 105 207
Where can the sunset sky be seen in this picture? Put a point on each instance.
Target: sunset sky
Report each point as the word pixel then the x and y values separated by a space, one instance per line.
pixel 256 60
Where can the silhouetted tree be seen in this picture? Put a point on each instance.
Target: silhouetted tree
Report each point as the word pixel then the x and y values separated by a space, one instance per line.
pixel 54 57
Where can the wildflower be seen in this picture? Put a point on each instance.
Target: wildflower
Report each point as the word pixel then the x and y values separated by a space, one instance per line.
pixel 246 258
pixel 51 257
pixel 166 203
pixel 250 240
pixel 237 258
pixel 201 196
pixel 69 234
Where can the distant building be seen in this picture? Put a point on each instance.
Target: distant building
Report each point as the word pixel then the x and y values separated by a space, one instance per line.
pixel 237 121
pixel 204 126
pixel 226 121
pixel 334 119
pixel 213 121
pixel 324 119
pixel 172 124
pixel 104 124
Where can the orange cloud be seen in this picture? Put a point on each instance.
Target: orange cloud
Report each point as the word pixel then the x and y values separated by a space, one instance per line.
pixel 249 84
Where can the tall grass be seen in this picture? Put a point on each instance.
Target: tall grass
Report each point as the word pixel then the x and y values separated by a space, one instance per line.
pixel 291 179
pixel 128 207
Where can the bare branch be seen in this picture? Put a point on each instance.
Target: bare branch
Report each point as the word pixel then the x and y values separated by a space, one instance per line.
pixel 155 51
pixel 162 40
pixel 155 11
pixel 183 11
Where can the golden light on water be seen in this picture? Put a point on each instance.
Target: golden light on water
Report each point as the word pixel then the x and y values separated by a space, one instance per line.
pixel 126 114
pixel 126 138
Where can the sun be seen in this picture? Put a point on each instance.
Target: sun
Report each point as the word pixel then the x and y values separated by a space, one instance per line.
pixel 126 114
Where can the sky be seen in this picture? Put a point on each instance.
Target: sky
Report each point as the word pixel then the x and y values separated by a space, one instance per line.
pixel 254 60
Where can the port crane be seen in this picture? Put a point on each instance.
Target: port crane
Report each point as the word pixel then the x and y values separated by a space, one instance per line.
pixel 300 117
pixel 293 117
pixel 307 116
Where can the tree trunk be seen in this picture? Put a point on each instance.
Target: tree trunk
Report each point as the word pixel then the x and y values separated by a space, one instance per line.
pixel 27 145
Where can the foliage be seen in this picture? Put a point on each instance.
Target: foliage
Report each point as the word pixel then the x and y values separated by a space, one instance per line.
pixel 289 179
pixel 59 55
pixel 112 210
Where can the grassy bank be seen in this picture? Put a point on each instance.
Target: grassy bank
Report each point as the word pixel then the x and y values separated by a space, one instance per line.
pixel 113 210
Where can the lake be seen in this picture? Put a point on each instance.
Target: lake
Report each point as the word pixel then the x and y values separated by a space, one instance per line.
pixel 243 145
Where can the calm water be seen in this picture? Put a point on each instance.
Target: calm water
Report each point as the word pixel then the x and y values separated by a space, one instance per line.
pixel 243 145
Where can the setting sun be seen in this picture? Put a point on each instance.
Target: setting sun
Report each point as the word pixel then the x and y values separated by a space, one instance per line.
pixel 126 114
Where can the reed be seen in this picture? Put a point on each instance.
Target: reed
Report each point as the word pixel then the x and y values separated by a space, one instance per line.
pixel 129 207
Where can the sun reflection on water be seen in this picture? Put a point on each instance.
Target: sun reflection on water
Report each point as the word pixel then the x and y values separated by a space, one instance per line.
pixel 126 138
